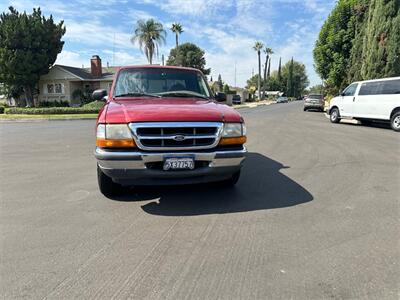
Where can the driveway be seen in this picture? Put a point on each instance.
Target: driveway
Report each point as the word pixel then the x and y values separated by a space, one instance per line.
pixel 315 215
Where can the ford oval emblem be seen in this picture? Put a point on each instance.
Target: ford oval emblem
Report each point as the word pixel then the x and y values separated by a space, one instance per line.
pixel 179 138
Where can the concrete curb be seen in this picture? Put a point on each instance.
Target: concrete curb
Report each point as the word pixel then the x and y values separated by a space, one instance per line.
pixel 41 120
pixel 241 106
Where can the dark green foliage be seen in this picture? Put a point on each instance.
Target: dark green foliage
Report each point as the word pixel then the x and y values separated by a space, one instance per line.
pixel 51 110
pixel 333 47
pixel 1 109
pixel 188 55
pixel 54 104
pixel 253 81
pixel 381 43
pixel 226 89
pixel 277 82
pixel 29 45
pixel 220 82
pixel 360 40
pixel 290 80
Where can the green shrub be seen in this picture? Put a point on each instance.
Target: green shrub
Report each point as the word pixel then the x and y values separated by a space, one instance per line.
pixel 1 109
pixel 51 110
pixel 54 104
pixel 94 104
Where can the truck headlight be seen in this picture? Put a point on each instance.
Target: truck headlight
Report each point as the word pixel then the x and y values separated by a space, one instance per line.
pixel 232 130
pixel 233 134
pixel 114 136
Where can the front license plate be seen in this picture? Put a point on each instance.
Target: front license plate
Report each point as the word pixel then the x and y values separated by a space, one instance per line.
pixel 178 163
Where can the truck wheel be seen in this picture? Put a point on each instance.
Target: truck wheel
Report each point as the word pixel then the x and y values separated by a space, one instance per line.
pixel 395 121
pixel 106 185
pixel 304 109
pixel 233 180
pixel 335 116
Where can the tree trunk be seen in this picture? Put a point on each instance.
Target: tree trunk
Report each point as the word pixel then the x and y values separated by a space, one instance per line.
pixel 265 74
pixel 28 95
pixel 259 76
pixel 176 40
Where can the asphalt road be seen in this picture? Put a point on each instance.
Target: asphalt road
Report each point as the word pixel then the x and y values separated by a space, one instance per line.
pixel 315 215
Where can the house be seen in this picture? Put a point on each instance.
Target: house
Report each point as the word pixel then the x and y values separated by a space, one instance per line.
pixel 61 82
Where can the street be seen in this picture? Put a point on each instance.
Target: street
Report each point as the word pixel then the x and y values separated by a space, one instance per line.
pixel 315 215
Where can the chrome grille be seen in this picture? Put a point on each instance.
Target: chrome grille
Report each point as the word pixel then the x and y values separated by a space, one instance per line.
pixel 176 135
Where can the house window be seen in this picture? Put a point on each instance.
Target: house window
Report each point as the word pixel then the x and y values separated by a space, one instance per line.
pixel 54 88
pixel 50 89
pixel 58 88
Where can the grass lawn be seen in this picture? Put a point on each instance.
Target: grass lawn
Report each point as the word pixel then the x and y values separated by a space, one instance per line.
pixel 47 117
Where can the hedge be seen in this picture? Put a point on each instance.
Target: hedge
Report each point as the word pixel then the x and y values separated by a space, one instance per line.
pixel 1 109
pixel 94 104
pixel 51 110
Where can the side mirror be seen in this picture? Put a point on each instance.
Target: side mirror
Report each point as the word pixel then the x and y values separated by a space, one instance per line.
pixel 99 95
pixel 342 94
pixel 220 97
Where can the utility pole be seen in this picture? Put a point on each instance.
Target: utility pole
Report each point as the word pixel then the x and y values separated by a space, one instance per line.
pixel 235 73
pixel 162 59
pixel 113 55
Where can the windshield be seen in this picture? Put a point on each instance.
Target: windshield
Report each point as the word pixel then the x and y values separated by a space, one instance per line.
pixel 315 96
pixel 160 82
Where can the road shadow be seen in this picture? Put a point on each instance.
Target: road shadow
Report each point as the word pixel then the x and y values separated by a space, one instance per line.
pixel 371 124
pixel 261 186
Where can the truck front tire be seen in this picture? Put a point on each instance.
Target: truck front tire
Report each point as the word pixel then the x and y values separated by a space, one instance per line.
pixel 395 121
pixel 334 115
pixel 106 185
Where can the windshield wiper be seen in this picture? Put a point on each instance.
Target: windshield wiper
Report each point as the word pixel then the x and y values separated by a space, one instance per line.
pixel 137 95
pixel 184 94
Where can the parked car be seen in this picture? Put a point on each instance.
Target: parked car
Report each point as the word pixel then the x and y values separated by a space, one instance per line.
pixel 161 126
pixel 282 100
pixel 236 99
pixel 314 101
pixel 366 101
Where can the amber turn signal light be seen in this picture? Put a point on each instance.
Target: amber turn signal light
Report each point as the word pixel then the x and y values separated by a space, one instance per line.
pixel 240 140
pixel 102 143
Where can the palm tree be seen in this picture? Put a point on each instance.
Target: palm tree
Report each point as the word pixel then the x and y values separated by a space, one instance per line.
pixel 149 34
pixel 257 47
pixel 268 52
pixel 177 29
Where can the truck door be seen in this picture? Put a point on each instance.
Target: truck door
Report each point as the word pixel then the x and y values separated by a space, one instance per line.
pixel 347 101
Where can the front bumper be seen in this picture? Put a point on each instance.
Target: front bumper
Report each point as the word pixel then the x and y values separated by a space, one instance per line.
pixel 144 168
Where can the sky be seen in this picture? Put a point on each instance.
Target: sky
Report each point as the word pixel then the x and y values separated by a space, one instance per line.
pixel 225 29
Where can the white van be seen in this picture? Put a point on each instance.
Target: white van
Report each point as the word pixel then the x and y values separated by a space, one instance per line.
pixel 367 101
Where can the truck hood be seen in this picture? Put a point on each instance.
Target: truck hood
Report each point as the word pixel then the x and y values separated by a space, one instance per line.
pixel 171 109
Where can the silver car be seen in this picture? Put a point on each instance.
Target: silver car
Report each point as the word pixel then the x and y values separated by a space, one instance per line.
pixel 314 101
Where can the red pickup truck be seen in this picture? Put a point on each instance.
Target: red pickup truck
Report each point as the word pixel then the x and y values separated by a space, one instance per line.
pixel 163 125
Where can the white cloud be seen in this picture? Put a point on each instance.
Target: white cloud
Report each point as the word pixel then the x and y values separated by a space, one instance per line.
pixel 73 59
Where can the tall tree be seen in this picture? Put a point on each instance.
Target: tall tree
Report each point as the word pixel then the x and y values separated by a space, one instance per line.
pixel 381 44
pixel 29 45
pixel 290 82
pixel 220 83
pixel 359 41
pixel 258 47
pixel 188 55
pixel 268 52
pixel 177 29
pixel 149 34
pixel 280 71
pixel 333 46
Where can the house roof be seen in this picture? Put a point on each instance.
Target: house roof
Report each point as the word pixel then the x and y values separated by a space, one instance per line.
pixel 85 74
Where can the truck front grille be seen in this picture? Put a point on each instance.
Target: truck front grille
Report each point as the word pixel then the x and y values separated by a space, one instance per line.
pixel 176 135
